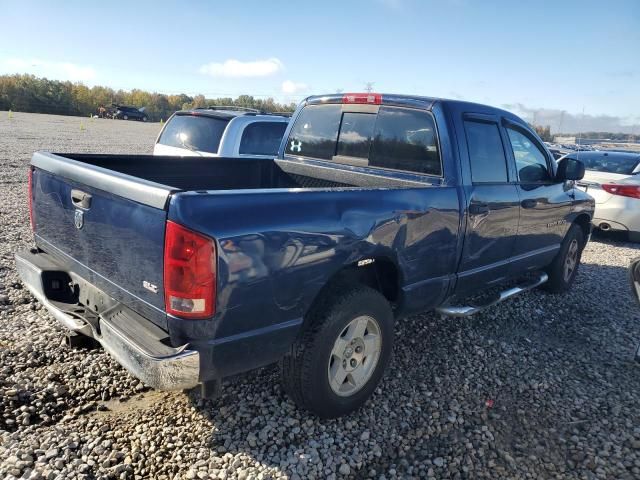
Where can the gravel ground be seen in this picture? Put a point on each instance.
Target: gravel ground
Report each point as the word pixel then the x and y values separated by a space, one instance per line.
pixel 539 387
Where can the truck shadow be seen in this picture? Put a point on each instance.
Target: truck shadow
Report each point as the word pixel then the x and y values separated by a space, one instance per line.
pixel 503 388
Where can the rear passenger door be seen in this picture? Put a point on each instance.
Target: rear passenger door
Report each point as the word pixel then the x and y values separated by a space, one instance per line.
pixel 492 205
pixel 545 203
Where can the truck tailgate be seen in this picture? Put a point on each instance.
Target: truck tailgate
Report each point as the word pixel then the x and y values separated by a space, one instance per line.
pixel 109 239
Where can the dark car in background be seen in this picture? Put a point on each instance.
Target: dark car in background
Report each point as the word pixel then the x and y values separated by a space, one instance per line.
pixel 124 112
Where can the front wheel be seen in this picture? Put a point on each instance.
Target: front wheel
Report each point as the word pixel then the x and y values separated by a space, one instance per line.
pixel 125 117
pixel 144 119
pixel 564 268
pixel 341 356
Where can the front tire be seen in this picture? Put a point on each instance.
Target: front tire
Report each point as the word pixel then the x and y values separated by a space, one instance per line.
pixel 125 117
pixel 564 268
pixel 144 119
pixel 342 353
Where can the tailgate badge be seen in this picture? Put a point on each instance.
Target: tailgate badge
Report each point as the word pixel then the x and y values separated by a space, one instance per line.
pixel 78 219
pixel 150 286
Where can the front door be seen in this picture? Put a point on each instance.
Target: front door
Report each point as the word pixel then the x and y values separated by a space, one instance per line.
pixel 545 203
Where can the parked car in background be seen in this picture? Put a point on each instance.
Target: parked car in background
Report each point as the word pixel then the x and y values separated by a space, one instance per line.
pixel 613 180
pixel 557 152
pixel 222 132
pixel 123 112
pixel 188 270
pixel 634 277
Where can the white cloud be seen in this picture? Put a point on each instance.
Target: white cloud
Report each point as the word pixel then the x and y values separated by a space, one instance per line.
pixel 291 87
pixel 49 69
pixel 236 68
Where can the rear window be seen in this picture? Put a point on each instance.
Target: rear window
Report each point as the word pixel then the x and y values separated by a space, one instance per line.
pixel 406 139
pixel 262 138
pixel 198 133
pixel 315 132
pixel 394 138
pixel 610 163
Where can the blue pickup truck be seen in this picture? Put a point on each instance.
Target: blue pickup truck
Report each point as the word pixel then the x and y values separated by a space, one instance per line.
pixel 191 269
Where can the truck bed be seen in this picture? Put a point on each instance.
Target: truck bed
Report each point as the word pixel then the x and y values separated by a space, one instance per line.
pixel 104 216
pixel 224 173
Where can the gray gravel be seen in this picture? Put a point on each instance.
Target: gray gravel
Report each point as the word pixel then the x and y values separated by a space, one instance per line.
pixel 542 386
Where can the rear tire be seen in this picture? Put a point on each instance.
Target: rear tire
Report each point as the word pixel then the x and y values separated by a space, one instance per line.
pixel 564 268
pixel 144 119
pixel 341 355
pixel 125 117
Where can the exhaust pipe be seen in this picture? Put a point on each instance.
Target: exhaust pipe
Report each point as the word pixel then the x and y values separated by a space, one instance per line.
pixel 605 227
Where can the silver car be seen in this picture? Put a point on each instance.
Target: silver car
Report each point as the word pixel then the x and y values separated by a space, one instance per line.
pixel 222 132
pixel 613 180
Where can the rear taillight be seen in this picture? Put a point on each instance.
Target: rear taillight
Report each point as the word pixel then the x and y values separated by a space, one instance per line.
pixel 189 273
pixel 632 191
pixel 31 219
pixel 370 98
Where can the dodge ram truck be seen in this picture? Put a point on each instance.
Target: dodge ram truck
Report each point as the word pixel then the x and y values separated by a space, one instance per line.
pixel 188 270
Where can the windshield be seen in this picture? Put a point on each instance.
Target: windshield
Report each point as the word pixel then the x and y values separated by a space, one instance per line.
pixel 611 163
pixel 192 132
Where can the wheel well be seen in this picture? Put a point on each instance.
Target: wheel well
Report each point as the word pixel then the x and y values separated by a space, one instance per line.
pixel 381 274
pixel 584 222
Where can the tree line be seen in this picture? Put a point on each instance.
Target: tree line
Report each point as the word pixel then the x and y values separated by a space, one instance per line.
pixel 28 93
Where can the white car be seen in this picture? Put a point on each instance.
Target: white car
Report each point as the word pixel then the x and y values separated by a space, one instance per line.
pixel 613 180
pixel 221 132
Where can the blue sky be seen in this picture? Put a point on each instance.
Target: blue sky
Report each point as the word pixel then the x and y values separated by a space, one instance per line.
pixel 535 58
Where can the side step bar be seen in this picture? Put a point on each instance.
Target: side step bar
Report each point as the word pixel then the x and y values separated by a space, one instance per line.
pixel 468 310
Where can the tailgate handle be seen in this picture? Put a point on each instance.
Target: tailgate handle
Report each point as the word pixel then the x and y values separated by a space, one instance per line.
pixel 80 199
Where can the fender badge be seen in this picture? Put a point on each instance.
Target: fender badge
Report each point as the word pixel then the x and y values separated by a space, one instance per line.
pixel 78 219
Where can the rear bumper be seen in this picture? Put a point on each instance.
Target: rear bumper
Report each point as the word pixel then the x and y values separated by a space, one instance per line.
pixel 620 213
pixel 135 343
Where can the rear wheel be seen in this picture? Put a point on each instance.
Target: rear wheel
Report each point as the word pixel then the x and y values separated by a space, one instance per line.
pixel 125 117
pixel 564 268
pixel 336 364
pixel 144 119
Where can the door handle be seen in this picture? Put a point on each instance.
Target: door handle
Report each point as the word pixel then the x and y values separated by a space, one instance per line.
pixel 478 208
pixel 80 199
pixel 529 203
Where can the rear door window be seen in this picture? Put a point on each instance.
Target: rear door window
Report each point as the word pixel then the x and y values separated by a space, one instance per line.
pixel 196 133
pixel 262 138
pixel 486 153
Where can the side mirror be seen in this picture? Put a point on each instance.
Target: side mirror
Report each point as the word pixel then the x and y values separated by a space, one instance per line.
pixel 569 169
